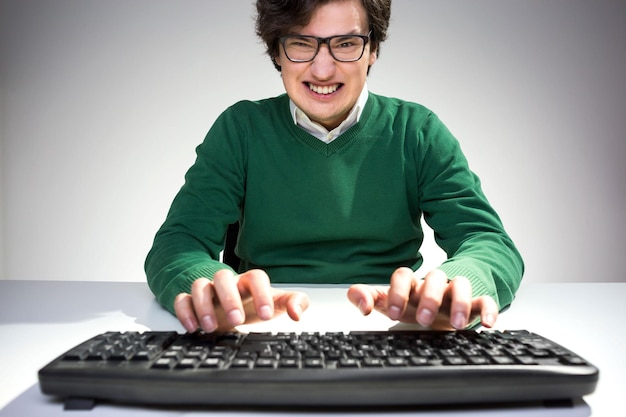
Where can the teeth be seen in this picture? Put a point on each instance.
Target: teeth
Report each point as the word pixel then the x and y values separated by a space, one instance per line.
pixel 327 89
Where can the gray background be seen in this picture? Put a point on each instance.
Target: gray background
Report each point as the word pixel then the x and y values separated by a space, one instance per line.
pixel 103 102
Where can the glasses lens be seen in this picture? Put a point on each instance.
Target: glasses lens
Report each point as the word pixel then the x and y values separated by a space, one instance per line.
pixel 300 48
pixel 347 48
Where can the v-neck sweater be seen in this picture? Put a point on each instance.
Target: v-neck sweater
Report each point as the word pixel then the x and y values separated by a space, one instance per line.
pixel 344 212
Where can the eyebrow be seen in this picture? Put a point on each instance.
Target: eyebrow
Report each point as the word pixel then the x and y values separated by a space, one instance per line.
pixel 323 37
pixel 294 32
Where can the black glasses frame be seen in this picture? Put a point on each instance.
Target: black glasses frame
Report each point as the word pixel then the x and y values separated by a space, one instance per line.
pixel 326 41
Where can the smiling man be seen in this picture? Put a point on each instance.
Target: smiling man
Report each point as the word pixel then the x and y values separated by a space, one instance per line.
pixel 329 183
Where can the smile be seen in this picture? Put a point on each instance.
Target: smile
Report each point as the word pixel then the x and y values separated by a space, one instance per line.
pixel 326 89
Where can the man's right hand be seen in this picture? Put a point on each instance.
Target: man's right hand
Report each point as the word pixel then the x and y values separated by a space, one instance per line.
pixel 231 300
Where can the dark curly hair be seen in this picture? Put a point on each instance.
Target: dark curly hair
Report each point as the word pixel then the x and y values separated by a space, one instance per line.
pixel 276 18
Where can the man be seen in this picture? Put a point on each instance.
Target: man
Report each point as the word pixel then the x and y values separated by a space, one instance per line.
pixel 329 183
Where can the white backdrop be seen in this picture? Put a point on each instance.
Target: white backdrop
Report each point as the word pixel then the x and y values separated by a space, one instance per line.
pixel 103 102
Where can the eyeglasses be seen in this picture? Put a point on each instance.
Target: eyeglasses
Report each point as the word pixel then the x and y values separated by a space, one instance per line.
pixel 343 48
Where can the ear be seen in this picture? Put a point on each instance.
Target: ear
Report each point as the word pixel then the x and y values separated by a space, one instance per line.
pixel 372 58
pixel 276 60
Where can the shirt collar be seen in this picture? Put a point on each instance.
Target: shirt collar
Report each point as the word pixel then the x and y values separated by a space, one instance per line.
pixel 319 131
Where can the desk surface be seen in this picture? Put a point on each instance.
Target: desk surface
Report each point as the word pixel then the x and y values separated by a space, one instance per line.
pixel 39 320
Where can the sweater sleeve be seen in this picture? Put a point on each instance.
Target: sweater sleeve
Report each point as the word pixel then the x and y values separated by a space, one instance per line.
pixel 465 225
pixel 188 244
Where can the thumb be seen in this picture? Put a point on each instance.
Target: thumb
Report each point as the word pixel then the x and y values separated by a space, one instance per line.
pixel 295 303
pixel 363 297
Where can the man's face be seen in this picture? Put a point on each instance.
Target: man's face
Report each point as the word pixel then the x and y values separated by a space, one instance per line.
pixel 305 82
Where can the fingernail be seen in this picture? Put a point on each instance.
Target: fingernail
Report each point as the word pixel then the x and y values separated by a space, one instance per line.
pixel 425 317
pixel 298 309
pixel 394 312
pixel 189 325
pixel 235 317
pixel 489 320
pixel 458 321
pixel 265 312
pixel 361 306
pixel 208 324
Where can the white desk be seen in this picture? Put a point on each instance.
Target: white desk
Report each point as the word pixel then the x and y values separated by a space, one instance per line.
pixel 39 320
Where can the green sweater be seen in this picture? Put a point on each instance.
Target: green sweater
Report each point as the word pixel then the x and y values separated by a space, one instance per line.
pixel 344 212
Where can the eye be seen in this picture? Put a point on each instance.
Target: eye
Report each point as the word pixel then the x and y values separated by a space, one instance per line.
pixel 301 43
pixel 346 42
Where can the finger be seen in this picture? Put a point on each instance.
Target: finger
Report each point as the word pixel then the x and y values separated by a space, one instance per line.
pixel 487 308
pixel 293 302
pixel 431 293
pixel 202 301
pixel 402 285
pixel 460 294
pixel 227 291
pixel 297 303
pixel 183 307
pixel 363 297
pixel 257 283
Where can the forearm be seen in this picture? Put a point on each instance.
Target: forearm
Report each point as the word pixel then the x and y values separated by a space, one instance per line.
pixel 466 225
pixel 188 244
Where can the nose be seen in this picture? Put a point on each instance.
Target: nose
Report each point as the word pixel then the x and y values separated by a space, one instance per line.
pixel 323 65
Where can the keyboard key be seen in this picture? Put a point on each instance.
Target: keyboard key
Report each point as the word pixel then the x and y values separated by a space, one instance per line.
pixel 288 363
pixel 526 360
pixel 164 363
pixel 240 363
pixel 395 361
pixel 420 361
pixel 503 360
pixel 455 360
pixel 187 363
pixel 349 363
pixel 373 362
pixel 211 363
pixel 479 360
pixel 265 363
pixel 314 363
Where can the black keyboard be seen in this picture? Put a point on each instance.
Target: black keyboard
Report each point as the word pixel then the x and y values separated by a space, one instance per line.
pixel 382 368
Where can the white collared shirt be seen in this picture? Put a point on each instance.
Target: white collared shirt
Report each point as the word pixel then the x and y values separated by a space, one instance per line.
pixel 319 131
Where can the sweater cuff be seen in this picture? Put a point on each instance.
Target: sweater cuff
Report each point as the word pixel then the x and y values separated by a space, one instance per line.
pixel 182 283
pixel 481 284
